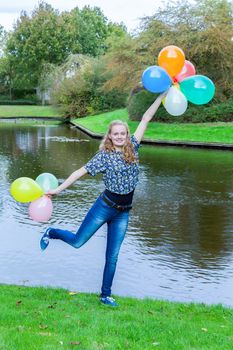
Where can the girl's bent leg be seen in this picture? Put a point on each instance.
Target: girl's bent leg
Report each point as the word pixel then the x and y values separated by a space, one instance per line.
pixel 116 232
pixel 88 227
pixel 95 218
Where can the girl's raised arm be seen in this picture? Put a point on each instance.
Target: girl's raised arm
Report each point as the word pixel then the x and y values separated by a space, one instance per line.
pixel 147 116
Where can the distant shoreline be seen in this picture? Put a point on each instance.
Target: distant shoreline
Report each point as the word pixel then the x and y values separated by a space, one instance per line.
pixel 166 143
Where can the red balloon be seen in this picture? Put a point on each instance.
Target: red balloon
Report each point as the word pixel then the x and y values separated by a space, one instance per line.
pixel 186 71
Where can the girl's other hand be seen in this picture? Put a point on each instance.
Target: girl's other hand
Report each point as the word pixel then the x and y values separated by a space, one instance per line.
pixel 51 193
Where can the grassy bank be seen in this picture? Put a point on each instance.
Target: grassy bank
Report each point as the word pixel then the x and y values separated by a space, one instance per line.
pixel 28 111
pixel 205 132
pixel 39 318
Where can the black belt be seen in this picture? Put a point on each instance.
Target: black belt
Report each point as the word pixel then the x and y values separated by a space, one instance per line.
pixel 116 206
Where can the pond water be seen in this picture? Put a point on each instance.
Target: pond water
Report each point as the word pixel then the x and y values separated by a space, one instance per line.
pixel 180 238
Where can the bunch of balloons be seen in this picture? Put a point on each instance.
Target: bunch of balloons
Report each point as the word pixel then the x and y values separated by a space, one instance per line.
pixel 25 190
pixel 177 75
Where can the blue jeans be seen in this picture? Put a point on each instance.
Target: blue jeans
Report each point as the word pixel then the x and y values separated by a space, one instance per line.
pixel 99 214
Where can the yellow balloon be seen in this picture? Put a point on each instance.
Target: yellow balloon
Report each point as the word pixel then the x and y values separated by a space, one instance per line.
pixel 25 190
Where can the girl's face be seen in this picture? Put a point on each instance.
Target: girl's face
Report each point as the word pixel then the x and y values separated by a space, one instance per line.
pixel 118 135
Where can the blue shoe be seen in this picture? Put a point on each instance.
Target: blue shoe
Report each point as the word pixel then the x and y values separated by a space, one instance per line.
pixel 108 301
pixel 44 242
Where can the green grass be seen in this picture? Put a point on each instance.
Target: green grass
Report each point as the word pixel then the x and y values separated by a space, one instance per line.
pixel 44 319
pixel 204 132
pixel 28 111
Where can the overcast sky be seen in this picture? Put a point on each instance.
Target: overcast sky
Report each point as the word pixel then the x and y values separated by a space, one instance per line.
pixel 127 11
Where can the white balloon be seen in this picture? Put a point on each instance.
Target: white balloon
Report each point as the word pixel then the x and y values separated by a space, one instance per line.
pixel 175 102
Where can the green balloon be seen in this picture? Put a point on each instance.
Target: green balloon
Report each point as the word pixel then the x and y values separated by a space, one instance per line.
pixel 198 89
pixel 47 181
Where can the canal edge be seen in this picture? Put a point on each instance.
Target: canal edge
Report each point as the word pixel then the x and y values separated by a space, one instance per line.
pixel 220 146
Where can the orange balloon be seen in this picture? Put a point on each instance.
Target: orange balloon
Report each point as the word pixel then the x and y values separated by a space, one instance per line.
pixel 172 59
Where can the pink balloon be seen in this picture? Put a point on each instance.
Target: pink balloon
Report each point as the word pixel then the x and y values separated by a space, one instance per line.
pixel 186 71
pixel 41 209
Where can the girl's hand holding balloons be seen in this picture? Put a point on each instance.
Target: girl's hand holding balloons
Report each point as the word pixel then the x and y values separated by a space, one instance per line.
pixel 51 193
pixel 174 68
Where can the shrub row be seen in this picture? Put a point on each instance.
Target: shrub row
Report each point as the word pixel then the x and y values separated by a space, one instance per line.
pixel 17 102
pixel 141 99
pixel 78 104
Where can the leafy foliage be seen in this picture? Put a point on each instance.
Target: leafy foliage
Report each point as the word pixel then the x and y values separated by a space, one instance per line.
pixel 140 101
pixel 77 88
pixel 123 65
pixel 41 38
pixel 89 31
pixel 3 37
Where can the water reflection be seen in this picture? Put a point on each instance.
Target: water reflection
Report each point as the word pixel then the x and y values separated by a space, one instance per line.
pixel 180 240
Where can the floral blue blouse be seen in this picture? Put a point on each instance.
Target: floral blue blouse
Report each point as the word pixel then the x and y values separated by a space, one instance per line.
pixel 119 176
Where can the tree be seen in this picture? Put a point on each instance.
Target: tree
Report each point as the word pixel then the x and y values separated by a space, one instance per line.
pixel 5 73
pixel 3 36
pixel 90 31
pixel 123 65
pixel 6 77
pixel 116 32
pixel 48 37
pixel 34 41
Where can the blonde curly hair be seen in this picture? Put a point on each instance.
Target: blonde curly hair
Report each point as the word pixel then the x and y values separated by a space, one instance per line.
pixel 128 150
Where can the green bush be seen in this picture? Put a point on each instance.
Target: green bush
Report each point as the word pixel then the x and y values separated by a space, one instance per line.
pixel 140 100
pixel 82 94
pixel 106 101
pixel 23 94
pixel 17 102
pixel 19 97
pixel 80 104
pixel 75 105
pixel 4 97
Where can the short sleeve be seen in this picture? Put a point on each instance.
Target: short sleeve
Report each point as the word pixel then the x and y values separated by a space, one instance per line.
pixel 135 143
pixel 96 165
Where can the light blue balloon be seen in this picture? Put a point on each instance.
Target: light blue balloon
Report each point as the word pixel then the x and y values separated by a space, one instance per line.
pixel 47 181
pixel 156 79
pixel 175 102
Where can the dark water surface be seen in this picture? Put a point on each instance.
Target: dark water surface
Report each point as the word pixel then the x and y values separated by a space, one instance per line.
pixel 180 238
